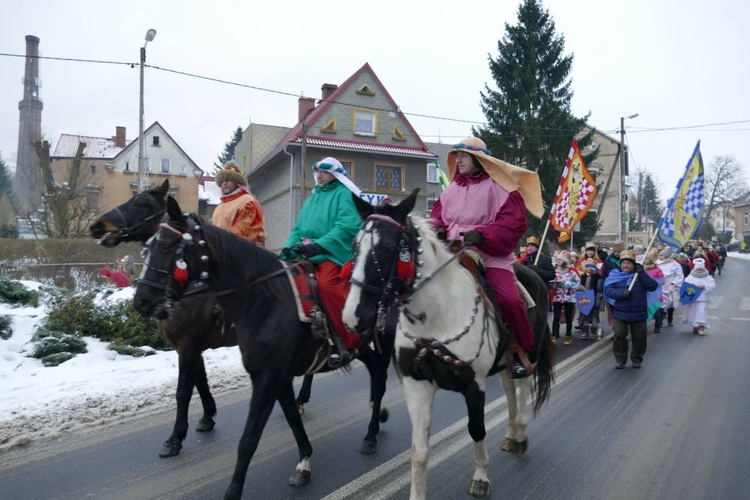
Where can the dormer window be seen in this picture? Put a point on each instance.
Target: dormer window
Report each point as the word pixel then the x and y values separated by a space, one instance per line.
pixel 365 122
pixel 330 127
pixel 397 134
pixel 365 90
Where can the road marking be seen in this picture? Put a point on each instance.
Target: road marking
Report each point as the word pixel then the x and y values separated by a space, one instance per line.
pixel 745 304
pixel 357 488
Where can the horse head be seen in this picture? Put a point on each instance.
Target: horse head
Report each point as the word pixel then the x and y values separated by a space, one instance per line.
pixel 385 263
pixel 135 220
pixel 176 264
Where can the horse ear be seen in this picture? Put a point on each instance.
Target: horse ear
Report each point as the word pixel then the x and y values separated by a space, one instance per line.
pixel 365 209
pixel 405 207
pixel 164 188
pixel 173 209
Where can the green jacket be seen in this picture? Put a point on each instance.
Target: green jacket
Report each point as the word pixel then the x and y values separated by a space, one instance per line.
pixel 331 220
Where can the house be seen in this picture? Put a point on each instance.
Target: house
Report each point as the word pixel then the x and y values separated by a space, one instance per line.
pixel 111 167
pixel 209 196
pixel 358 123
pixel 742 219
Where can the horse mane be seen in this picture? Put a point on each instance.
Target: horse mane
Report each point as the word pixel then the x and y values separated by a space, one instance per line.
pixel 428 235
pixel 243 261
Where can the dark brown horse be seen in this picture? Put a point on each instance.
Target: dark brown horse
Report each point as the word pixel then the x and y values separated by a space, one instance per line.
pixel 253 289
pixel 198 324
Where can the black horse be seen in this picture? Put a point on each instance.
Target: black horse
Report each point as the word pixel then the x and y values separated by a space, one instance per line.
pixel 197 324
pixel 253 290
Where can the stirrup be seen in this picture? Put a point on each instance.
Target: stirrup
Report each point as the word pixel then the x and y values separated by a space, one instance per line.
pixel 518 362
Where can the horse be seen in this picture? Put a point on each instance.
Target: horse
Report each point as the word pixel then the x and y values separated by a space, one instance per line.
pixel 447 336
pixel 197 324
pixel 187 256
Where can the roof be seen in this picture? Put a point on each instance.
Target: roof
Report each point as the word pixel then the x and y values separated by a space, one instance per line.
pixel 96 147
pixel 369 147
pixel 154 125
pixel 295 134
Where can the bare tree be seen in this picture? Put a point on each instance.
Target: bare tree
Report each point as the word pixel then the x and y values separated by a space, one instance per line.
pixel 725 182
pixel 66 212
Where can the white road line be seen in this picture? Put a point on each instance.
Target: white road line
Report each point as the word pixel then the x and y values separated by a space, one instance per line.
pixel 358 487
pixel 745 304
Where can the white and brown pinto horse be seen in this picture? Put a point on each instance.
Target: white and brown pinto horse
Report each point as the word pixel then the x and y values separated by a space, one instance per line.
pixel 448 336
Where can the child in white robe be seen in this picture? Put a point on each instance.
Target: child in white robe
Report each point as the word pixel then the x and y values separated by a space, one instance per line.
pixel 696 313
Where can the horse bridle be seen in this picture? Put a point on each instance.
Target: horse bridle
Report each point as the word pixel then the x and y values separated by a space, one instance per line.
pixel 187 285
pixel 126 231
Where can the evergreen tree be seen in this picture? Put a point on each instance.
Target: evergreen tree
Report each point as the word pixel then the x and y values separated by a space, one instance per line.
pixel 228 153
pixel 529 121
pixel 8 203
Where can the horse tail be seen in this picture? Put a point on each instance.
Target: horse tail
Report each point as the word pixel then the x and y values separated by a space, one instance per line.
pixel 543 373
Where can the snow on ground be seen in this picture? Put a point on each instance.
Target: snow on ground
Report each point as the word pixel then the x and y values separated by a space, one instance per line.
pixel 95 388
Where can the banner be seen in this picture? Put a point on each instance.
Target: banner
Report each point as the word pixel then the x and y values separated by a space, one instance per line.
pixel 684 211
pixel 574 197
pixel 689 293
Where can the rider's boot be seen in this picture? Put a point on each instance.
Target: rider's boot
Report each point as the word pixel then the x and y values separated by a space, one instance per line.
pixel 518 362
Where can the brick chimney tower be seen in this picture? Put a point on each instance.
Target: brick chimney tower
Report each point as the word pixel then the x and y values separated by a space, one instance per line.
pixel 28 183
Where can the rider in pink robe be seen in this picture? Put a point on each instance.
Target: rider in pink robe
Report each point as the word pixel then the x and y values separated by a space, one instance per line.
pixel 475 202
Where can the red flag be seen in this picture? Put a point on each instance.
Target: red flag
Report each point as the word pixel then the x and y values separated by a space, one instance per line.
pixel 575 195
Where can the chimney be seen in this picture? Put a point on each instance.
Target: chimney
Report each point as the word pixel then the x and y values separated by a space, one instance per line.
pixel 120 137
pixel 306 104
pixel 327 89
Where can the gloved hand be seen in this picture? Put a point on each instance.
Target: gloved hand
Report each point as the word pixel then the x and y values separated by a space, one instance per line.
pixel 473 238
pixel 638 268
pixel 287 254
pixel 441 234
pixel 626 294
pixel 308 250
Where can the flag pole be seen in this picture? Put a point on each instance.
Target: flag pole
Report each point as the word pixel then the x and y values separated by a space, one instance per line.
pixel 544 237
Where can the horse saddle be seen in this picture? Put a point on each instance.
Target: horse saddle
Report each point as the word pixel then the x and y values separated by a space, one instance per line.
pixel 301 275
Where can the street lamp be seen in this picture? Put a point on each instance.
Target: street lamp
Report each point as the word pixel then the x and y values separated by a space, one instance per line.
pixel 623 173
pixel 142 176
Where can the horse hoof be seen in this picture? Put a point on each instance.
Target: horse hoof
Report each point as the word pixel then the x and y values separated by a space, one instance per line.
pixel 170 448
pixel 299 478
pixel 205 424
pixel 508 445
pixel 384 415
pixel 368 447
pixel 479 489
pixel 301 409
pixel 522 446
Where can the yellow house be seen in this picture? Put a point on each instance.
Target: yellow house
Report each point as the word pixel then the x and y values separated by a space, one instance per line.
pixel 110 167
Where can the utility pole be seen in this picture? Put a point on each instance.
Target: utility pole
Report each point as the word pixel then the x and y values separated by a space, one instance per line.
pixel 623 173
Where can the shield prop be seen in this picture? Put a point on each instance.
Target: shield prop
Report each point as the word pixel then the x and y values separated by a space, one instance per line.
pixel 585 301
pixel 689 293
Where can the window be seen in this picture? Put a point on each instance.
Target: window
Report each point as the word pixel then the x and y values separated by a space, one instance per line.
pixel 389 177
pixel 433 176
pixel 147 164
pixel 745 218
pixel 365 90
pixel 365 122
pixel 93 169
pixel 156 141
pixel 397 135
pixel 166 166
pixel 348 166
pixel 330 127
pixel 127 166
pixel 183 169
pixel 431 199
pixel 92 202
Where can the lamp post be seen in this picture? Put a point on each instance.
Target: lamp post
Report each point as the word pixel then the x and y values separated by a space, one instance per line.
pixel 623 173
pixel 142 176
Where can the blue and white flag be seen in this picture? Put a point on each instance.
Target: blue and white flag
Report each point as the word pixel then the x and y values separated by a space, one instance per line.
pixel 684 211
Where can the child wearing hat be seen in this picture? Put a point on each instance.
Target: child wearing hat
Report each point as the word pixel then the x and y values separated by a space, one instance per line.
pixel 589 323
pixel 629 308
pixel 566 284
pixel 649 264
pixel 673 279
pixel 696 313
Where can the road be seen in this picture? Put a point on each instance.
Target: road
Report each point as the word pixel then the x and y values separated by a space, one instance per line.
pixel 672 430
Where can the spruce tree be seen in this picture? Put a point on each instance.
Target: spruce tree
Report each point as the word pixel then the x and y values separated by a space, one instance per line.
pixel 8 203
pixel 529 120
pixel 228 152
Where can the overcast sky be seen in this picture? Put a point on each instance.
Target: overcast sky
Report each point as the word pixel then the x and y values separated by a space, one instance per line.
pixel 679 64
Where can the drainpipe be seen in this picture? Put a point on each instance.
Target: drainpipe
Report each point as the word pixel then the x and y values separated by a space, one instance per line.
pixel 291 189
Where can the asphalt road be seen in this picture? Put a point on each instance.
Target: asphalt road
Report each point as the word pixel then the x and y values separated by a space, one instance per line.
pixel 672 430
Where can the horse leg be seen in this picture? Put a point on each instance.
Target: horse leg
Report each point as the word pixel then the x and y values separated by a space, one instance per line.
pixel 419 397
pixel 515 439
pixel 206 423
pixel 265 393
pixel 187 361
pixel 480 483
pixel 304 393
pixel 378 378
pixel 289 406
